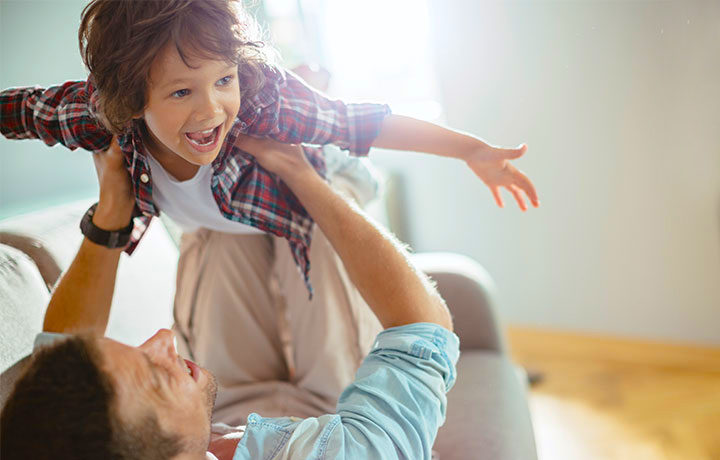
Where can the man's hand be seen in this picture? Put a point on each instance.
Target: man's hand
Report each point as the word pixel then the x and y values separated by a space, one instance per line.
pixel 286 160
pixel 492 165
pixel 117 201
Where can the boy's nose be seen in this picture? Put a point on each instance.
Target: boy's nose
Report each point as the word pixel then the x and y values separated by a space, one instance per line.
pixel 208 108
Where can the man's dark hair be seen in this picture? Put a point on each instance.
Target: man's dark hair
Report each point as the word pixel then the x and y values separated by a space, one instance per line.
pixel 63 407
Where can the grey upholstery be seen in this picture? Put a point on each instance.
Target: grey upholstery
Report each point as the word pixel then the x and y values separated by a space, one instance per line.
pixel 469 292
pixel 487 418
pixel 23 297
pixel 487 415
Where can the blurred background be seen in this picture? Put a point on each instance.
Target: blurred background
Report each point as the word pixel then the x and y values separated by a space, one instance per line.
pixel 619 103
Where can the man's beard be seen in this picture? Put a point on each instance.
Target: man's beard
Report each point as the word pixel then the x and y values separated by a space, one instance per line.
pixel 210 395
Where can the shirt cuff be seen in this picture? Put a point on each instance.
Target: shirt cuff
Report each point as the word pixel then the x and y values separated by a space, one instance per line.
pixel 423 340
pixel 44 339
pixel 364 122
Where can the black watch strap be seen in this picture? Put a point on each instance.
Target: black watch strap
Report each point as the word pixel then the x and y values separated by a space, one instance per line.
pixel 116 239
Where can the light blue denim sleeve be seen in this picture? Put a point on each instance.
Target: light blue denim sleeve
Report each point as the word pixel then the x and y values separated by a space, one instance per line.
pixel 43 339
pixel 392 410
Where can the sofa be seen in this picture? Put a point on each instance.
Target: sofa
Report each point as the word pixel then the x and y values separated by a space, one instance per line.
pixel 487 418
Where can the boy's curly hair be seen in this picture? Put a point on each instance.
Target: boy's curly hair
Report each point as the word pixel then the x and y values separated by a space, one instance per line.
pixel 119 40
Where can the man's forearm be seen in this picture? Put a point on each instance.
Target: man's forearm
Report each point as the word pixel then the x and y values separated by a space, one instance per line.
pixel 81 301
pixel 376 263
pixel 83 297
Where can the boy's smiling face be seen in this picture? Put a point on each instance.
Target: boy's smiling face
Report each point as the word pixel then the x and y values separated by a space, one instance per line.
pixel 189 110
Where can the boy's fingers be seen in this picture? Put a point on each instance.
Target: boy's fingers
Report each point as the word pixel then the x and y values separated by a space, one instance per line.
pixel 498 199
pixel 522 181
pixel 518 197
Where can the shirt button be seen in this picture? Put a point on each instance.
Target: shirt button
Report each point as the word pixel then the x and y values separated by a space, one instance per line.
pixel 144 178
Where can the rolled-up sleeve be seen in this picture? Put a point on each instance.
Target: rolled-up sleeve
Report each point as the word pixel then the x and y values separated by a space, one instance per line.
pixel 289 111
pixel 392 410
pixel 398 398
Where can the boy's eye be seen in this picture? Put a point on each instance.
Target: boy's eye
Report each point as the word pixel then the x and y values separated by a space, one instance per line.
pixel 180 93
pixel 225 80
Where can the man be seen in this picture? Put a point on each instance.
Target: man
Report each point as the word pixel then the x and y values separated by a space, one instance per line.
pixel 87 396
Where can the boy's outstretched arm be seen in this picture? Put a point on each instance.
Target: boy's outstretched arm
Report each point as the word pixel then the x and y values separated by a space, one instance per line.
pixel 58 114
pixel 304 115
pixel 490 163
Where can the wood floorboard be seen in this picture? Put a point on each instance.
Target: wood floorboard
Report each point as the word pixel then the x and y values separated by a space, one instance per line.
pixel 610 398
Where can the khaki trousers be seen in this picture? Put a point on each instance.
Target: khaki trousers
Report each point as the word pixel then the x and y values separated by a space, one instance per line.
pixel 242 311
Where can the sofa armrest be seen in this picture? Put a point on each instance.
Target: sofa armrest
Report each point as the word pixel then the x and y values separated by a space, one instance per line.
pixel 34 248
pixel 469 292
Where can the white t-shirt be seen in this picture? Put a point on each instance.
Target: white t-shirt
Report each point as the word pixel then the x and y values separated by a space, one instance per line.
pixel 190 203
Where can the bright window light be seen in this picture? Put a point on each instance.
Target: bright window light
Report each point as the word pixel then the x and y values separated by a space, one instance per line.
pixel 380 50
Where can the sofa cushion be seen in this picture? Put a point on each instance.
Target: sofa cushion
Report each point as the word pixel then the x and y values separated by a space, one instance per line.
pixel 145 282
pixel 487 416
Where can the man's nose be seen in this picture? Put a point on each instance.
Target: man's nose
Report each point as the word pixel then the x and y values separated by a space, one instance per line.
pixel 161 344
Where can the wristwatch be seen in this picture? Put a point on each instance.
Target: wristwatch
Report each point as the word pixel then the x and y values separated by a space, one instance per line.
pixel 112 240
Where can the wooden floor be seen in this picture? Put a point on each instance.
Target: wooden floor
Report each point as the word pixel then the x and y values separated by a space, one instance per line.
pixel 606 398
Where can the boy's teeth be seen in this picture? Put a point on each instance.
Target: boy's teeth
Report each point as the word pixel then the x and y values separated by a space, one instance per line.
pixel 201 137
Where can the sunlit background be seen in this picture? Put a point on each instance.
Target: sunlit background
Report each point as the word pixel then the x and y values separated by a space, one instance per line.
pixel 619 103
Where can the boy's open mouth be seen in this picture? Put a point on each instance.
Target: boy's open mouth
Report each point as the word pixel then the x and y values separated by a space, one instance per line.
pixel 204 141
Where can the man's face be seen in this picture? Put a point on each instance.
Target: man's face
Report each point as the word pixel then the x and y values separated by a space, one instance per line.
pixel 152 378
pixel 190 110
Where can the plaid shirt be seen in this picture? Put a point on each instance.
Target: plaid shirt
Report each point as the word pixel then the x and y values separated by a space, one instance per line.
pixel 285 110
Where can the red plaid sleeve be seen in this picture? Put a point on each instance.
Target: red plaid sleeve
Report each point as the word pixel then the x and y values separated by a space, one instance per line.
pixel 289 111
pixel 56 114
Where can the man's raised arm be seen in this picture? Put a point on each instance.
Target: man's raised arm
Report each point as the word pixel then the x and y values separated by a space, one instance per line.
pixel 376 262
pixel 81 301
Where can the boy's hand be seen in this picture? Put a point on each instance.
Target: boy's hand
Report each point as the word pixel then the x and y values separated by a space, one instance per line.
pixel 117 201
pixel 492 165
pixel 286 160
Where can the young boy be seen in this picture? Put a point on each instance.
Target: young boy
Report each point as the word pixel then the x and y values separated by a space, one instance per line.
pixel 180 83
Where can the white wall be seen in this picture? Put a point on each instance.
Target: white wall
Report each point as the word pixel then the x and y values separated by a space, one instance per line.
pixel 38 46
pixel 619 103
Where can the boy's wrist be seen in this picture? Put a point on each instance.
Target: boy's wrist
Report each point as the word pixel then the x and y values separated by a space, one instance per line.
pixel 469 147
